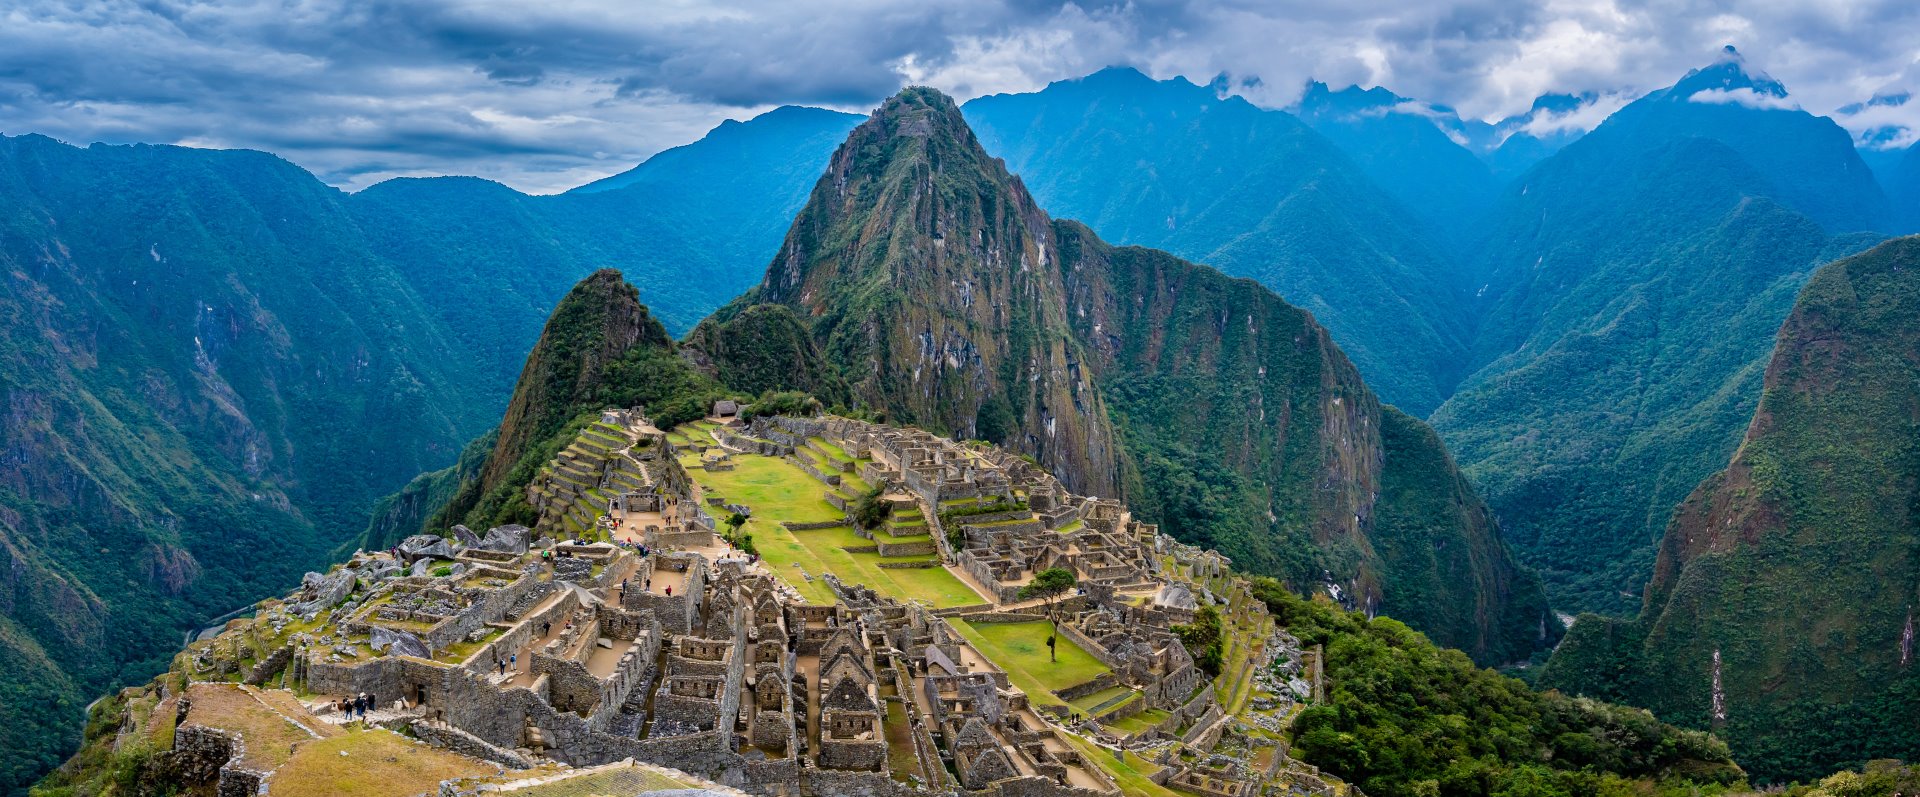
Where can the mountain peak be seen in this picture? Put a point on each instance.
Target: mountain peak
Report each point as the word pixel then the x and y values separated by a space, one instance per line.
pixel 592 327
pixel 1321 97
pixel 1728 74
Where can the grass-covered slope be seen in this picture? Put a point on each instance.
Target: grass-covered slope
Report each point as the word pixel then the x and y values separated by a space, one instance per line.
pixel 937 293
pixel 1787 582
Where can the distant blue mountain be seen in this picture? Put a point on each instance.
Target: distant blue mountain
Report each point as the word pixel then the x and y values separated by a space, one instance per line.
pixel 1252 192
pixel 1419 153
pixel 1630 287
pixel 692 227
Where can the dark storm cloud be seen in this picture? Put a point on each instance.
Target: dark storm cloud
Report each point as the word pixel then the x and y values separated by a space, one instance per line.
pixel 547 95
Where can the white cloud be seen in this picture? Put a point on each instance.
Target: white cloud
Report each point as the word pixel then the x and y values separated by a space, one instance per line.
pixel 1744 97
pixel 1583 118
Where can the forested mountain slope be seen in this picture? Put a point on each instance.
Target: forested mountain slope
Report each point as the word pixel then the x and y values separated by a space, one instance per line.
pixel 1629 289
pixel 205 389
pixel 1400 145
pixel 1781 609
pixel 693 226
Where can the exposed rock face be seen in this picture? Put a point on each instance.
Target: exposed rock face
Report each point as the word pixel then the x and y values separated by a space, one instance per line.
pixel 323 591
pixel 511 538
pixel 938 294
pixel 1780 605
pixel 465 536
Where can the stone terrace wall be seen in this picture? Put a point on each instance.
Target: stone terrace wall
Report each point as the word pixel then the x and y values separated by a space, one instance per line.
pixel 490 607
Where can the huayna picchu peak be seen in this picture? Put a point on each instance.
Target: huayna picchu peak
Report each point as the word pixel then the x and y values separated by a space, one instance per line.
pixel 938 294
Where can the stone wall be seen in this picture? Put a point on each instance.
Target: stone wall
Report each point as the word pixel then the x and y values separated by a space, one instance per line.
pixel 521 632
pixel 1080 638
pixel 840 783
pixel 267 667
pixel 491 606
pixel 1102 681
pixel 447 737
pixel 1035 786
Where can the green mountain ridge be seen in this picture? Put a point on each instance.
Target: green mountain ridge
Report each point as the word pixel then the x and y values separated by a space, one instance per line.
pixel 1781 609
pixel 201 400
pixel 1627 295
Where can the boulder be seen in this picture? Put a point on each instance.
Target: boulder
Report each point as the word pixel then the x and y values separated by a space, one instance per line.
pixel 319 591
pixel 398 643
pixel 510 538
pixel 420 567
pixel 425 546
pixel 379 571
pixel 465 537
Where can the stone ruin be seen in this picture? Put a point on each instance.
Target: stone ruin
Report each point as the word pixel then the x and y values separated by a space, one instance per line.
pixel 522 650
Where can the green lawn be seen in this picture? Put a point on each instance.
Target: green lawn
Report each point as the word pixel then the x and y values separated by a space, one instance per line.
pixel 1139 722
pixel 901 759
pixel 1087 703
pixel 831 450
pixel 778 490
pixel 774 488
pixel 1020 650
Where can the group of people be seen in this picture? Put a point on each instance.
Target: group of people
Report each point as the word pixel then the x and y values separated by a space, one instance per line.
pixel 355 707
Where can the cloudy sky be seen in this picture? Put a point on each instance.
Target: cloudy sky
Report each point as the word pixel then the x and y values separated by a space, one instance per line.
pixel 547 95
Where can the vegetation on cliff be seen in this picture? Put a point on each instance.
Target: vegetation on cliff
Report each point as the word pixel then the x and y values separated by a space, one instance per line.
pixel 1407 719
pixel 1627 293
pixel 601 348
pixel 1781 608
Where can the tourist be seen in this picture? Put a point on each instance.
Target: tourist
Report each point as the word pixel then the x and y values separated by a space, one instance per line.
pixel 669 590
pixel 513 662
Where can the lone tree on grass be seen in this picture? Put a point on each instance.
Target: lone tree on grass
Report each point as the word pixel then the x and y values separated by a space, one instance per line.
pixel 1049 584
